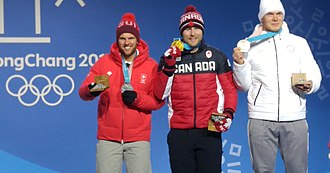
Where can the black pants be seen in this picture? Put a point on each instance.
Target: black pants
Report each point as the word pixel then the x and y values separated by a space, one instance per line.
pixel 194 151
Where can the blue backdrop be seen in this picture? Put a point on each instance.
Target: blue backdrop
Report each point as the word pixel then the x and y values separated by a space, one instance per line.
pixel 47 48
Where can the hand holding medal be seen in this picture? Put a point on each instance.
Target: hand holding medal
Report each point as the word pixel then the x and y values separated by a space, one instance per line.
pixel 172 55
pixel 244 45
pixel 238 55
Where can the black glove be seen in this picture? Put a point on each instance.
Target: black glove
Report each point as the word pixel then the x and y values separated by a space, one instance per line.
pixel 94 93
pixel 129 97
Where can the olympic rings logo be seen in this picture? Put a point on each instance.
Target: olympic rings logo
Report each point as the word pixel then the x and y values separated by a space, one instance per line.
pixel 35 91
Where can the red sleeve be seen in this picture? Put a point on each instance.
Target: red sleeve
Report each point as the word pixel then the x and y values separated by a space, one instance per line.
pixel 229 90
pixel 83 89
pixel 160 85
pixel 147 102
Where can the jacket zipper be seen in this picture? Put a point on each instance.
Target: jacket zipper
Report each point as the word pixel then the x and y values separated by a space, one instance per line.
pixel 122 125
pixel 278 83
pixel 255 100
pixel 130 67
pixel 194 86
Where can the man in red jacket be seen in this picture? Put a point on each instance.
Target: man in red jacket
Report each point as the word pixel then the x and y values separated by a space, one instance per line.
pixel 199 85
pixel 124 109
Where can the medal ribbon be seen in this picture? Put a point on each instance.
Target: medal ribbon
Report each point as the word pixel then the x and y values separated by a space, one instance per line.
pixel 188 47
pixel 263 36
pixel 126 71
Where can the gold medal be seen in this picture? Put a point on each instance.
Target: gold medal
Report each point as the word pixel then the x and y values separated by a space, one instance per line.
pixel 178 43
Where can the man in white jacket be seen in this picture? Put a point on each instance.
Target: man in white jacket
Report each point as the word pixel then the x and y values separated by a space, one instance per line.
pixel 264 65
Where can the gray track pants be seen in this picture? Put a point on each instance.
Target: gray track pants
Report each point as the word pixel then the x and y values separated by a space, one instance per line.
pixel 266 137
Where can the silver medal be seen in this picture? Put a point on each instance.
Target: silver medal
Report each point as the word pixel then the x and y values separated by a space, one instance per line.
pixel 126 87
pixel 244 45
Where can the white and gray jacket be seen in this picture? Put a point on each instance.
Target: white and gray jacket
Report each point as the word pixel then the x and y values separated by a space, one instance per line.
pixel 266 75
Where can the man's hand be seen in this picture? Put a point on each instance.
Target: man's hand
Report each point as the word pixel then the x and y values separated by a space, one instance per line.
pixel 170 60
pixel 173 52
pixel 129 97
pixel 95 86
pixel 238 55
pixel 222 122
pixel 306 87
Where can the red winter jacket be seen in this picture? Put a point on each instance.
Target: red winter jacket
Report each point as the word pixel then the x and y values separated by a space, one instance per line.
pixel 116 121
pixel 201 84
